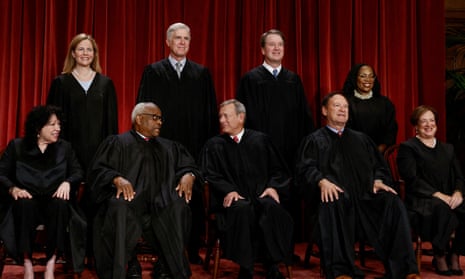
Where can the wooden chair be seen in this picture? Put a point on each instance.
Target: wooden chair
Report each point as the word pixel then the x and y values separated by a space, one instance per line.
pixel 213 238
pixel 390 155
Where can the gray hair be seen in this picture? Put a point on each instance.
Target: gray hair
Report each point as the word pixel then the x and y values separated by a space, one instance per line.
pixel 139 109
pixel 238 106
pixel 176 26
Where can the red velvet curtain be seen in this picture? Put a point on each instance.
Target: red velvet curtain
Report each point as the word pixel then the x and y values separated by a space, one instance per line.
pixel 403 40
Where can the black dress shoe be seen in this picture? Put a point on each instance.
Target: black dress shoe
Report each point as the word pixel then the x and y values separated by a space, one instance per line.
pixel 245 273
pixel 161 270
pixel 195 259
pixel 274 273
pixel 134 270
pixel 446 272
pixel 456 272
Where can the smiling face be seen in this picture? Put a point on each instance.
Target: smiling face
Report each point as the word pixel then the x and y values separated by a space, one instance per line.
pixel 231 123
pixel 336 111
pixel 365 80
pixel 179 43
pixel 273 50
pixel 51 131
pixel 84 53
pixel 426 126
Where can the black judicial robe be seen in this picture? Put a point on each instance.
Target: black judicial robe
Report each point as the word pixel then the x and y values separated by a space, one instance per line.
pixel 353 163
pixel 375 117
pixel 428 170
pixel 188 104
pixel 277 107
pixel 89 117
pixel 248 167
pixel 154 169
pixel 41 174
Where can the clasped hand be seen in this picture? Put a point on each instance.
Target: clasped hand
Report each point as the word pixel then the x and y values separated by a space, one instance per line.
pixel 452 201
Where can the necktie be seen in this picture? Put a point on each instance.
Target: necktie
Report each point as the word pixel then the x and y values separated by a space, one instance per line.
pixel 147 139
pixel 275 73
pixel 236 139
pixel 178 69
pixel 339 133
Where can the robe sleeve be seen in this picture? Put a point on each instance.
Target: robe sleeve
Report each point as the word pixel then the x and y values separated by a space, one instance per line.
pixel 104 168
pixel 211 106
pixel 145 86
pixel 74 171
pixel 407 166
pixel 391 124
pixel 308 172
pixel 54 93
pixel 212 166
pixel 7 166
pixel 185 163
pixel 111 110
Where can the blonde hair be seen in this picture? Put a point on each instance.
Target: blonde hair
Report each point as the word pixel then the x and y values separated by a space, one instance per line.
pixel 70 62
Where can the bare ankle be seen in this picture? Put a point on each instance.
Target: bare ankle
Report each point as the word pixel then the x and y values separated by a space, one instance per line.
pixel 28 269
pixel 50 268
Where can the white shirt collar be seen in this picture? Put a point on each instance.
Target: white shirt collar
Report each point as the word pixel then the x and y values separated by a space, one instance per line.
pixel 174 61
pixel 239 136
pixel 270 69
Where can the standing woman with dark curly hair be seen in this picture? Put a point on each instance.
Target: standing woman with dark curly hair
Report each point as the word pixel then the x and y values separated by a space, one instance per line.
pixel 39 172
pixel 370 112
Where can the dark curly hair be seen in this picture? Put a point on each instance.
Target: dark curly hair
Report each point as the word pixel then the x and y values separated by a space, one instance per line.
pixel 351 81
pixel 36 119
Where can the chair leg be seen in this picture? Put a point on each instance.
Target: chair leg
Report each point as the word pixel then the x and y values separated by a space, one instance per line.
pixel 418 252
pixel 308 254
pixel 361 252
pixel 208 252
pixel 217 258
pixel 2 257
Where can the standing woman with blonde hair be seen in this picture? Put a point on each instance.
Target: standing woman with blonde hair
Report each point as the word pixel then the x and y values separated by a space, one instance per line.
pixel 88 101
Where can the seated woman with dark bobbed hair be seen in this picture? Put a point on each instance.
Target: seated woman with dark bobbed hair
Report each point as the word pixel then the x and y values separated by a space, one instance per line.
pixel 40 173
pixel 434 187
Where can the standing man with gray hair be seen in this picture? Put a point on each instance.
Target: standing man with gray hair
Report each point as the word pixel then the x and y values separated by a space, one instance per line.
pixel 184 91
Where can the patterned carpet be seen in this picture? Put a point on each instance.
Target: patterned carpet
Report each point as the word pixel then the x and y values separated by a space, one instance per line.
pixel 229 269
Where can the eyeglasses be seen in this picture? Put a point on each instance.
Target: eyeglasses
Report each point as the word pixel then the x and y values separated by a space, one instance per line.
pixel 367 76
pixel 155 117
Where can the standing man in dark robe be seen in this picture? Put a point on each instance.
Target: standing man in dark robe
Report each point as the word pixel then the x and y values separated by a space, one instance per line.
pixel 247 176
pixel 343 171
pixel 184 91
pixel 142 184
pixel 277 105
